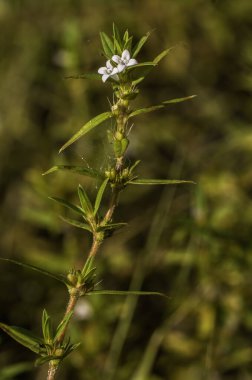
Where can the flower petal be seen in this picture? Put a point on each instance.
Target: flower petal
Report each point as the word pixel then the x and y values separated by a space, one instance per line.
pixel 132 62
pixel 105 77
pixel 102 70
pixel 114 71
pixel 125 55
pixel 120 67
pixel 109 65
pixel 116 58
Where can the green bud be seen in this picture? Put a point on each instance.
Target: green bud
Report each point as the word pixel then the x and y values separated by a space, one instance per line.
pixel 72 278
pixel 107 173
pixel 112 174
pixel 118 136
pixel 125 173
pixel 124 145
pixel 118 148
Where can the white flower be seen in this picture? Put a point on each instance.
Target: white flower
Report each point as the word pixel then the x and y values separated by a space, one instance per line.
pixel 108 71
pixel 123 61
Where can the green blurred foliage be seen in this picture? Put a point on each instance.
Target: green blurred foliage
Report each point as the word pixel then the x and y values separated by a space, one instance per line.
pixel 192 242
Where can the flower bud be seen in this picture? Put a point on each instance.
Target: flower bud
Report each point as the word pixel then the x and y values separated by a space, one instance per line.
pixel 124 145
pixel 118 136
pixel 117 148
pixel 112 174
pixel 125 173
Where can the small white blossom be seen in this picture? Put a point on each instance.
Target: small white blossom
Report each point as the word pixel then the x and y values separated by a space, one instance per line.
pixel 123 61
pixel 108 71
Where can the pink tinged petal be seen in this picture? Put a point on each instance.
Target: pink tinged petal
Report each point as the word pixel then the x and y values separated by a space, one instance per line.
pixel 132 62
pixel 105 77
pixel 116 58
pixel 125 55
pixel 120 67
pixel 102 70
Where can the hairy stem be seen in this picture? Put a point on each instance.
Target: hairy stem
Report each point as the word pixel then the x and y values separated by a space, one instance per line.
pixel 52 370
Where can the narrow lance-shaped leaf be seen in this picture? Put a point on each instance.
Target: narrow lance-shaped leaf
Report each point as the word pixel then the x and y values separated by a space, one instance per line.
pixel 128 44
pixel 68 205
pixel 140 70
pixel 87 127
pixel 134 166
pixel 45 359
pixel 76 223
pixel 113 226
pixel 88 265
pixel 179 100
pixel 146 110
pixel 140 44
pixel 126 293
pixel 23 336
pixel 47 327
pixel 143 181
pixel 161 55
pixel 62 326
pixel 117 39
pixel 107 45
pixel 85 202
pixel 159 106
pixel 99 195
pixel 88 172
pixel 36 269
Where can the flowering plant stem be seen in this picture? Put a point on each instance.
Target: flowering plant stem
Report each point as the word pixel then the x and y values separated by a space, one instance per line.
pixel 124 74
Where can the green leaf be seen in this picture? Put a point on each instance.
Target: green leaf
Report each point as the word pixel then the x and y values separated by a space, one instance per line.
pixel 143 181
pixel 88 265
pixel 107 45
pixel 76 223
pixel 40 270
pixel 99 195
pixel 126 36
pixel 45 359
pixel 128 44
pixel 140 44
pixel 85 202
pixel 159 106
pixel 71 348
pixel 92 76
pixel 89 274
pixel 87 127
pixel 76 169
pixel 117 39
pixel 47 327
pixel 69 205
pixel 10 372
pixel 145 110
pixel 113 226
pixel 179 100
pixel 23 336
pixel 161 55
pixel 140 70
pixel 126 293
pixel 134 166
pixel 62 326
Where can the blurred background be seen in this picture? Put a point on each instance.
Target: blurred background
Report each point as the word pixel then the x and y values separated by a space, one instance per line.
pixel 191 242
